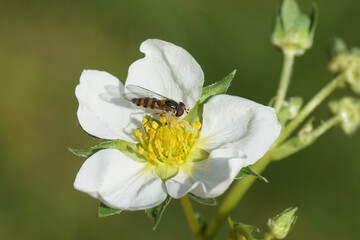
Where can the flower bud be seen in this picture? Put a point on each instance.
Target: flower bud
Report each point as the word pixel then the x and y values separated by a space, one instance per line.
pixel 305 132
pixel 282 223
pixel 294 31
pixel 345 60
pixel 290 109
pixel 348 109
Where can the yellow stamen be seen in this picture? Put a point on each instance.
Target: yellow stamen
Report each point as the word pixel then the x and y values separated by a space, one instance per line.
pixel 138 133
pixel 169 143
pixel 141 150
pixel 151 149
pixel 152 156
pixel 145 121
pixel 197 125
pixel 162 119
pixel 155 125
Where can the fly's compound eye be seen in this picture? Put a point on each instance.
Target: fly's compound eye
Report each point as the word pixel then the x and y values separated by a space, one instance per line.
pixel 180 109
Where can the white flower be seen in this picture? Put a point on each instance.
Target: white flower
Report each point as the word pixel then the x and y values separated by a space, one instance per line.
pixel 235 132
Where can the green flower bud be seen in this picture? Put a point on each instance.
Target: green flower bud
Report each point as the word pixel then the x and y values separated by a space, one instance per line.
pixel 345 60
pixel 294 31
pixel 290 109
pixel 281 225
pixel 304 134
pixel 348 109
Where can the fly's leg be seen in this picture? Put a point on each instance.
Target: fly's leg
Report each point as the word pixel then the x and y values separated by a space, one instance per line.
pixel 148 118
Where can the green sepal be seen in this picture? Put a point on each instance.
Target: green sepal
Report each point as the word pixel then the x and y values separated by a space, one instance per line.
pixel 201 221
pixel 165 172
pixel 105 211
pixel 197 155
pixel 217 88
pixel 290 15
pixel 241 230
pixel 247 171
pixel 220 87
pixel 337 46
pixel 314 19
pixel 205 201
pixel 195 114
pixel 128 148
pixel 156 213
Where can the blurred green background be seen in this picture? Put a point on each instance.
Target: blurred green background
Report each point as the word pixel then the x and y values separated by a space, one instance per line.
pixel 45 45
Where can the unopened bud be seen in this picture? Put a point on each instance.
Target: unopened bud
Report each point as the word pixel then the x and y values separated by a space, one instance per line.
pixel 294 31
pixel 290 109
pixel 348 109
pixel 304 133
pixel 345 60
pixel 281 225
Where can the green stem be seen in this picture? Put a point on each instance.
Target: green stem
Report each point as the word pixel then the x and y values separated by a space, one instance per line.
pixel 190 216
pixel 284 79
pixel 310 106
pixel 298 143
pixel 268 236
pixel 240 188
pixel 325 126
pixel 232 198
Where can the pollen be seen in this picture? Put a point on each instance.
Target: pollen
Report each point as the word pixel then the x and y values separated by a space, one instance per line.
pixel 167 144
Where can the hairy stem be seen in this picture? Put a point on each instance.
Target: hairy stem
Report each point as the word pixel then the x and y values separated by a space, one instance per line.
pixel 310 106
pixel 268 236
pixel 232 198
pixel 295 144
pixel 284 79
pixel 190 216
pixel 240 188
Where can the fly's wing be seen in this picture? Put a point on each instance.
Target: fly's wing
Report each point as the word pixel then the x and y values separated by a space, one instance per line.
pixel 140 92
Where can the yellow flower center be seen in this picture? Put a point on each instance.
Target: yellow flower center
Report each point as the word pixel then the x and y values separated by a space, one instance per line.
pixel 169 144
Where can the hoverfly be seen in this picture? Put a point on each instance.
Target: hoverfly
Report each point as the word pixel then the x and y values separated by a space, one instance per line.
pixel 148 99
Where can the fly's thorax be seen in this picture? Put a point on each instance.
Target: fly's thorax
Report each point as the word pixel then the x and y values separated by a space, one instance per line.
pixel 169 145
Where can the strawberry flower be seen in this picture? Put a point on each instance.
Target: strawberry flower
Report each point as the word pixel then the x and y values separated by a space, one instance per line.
pixel 172 157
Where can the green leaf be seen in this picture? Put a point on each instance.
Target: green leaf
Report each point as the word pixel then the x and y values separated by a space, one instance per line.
pixel 105 211
pixel 205 201
pixel 129 149
pixel 221 87
pixel 247 171
pixel 243 231
pixel 156 213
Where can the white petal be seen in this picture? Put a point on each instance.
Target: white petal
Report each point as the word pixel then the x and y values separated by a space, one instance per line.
pixel 208 178
pixel 120 182
pixel 241 124
pixel 168 70
pixel 103 111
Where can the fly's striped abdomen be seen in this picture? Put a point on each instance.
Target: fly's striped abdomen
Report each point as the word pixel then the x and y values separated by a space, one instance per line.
pixel 151 103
